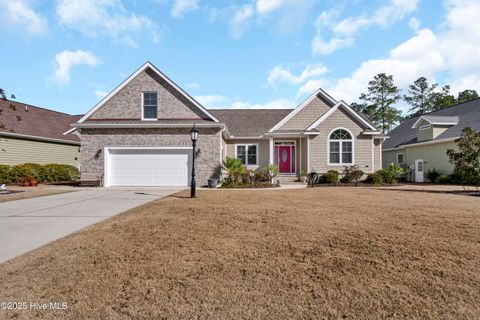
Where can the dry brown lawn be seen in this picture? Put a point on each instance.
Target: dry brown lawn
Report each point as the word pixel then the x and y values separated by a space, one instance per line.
pixel 33 192
pixel 321 253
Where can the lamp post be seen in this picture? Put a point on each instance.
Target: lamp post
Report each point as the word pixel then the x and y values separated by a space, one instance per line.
pixel 194 137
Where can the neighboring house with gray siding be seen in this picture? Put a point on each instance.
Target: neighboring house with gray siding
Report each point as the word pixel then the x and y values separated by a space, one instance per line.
pixel 138 135
pixel 420 144
pixel 33 134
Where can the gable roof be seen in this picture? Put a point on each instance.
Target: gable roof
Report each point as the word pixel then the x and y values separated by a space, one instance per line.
pixel 132 76
pixel 341 104
pixel 468 114
pixel 24 120
pixel 319 93
pixel 440 120
pixel 249 122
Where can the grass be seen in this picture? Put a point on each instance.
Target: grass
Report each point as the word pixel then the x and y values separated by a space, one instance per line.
pixel 317 253
pixel 32 192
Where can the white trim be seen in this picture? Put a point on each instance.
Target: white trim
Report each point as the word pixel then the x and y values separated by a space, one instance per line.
pixel 422 144
pixel 308 155
pixel 373 155
pixel 341 103
pixel 147 125
pixel 279 134
pixel 341 147
pixel 400 153
pixel 416 161
pixel 433 122
pixel 271 146
pixel 69 131
pixel 296 158
pixel 26 136
pixel 106 157
pixel 247 138
pixel 303 105
pixel 135 74
pixel 300 155
pixel 246 153
pixel 371 133
pixel 143 106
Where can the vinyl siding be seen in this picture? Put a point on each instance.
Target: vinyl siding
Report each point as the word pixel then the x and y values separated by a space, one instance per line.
pixel 263 151
pixel 305 117
pixel 362 144
pixel 15 151
pixel 434 156
pixel 424 135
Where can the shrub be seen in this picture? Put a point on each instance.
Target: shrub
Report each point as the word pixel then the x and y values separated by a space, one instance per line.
pixel 331 177
pixel 432 175
pixel 37 171
pixel 21 171
pixel 59 172
pixel 234 168
pixel 387 176
pixel 374 178
pixel 352 174
pixel 444 179
pixel 5 174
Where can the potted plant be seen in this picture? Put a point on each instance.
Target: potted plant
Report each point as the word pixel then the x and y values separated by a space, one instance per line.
pixel 33 182
pixel 25 182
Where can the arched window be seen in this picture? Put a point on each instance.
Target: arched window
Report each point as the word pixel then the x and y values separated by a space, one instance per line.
pixel 340 147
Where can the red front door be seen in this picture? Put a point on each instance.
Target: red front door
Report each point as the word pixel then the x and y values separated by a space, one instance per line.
pixel 284 159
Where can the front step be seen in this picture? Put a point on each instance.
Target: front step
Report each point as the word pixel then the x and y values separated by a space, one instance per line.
pixel 287 180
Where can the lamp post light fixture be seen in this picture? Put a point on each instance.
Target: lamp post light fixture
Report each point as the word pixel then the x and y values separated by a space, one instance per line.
pixel 194 137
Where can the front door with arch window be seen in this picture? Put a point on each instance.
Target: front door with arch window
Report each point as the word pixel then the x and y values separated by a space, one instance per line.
pixel 285 157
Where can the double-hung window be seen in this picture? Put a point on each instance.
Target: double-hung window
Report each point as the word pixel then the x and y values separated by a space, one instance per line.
pixel 400 159
pixel 247 153
pixel 149 107
pixel 340 147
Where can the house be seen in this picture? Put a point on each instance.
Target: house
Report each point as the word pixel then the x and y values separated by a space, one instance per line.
pixel 420 144
pixel 138 135
pixel 34 134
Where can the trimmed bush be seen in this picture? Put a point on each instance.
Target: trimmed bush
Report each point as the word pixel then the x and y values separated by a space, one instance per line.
pixel 387 176
pixel 331 177
pixel 432 175
pixel 5 174
pixel 444 179
pixel 374 178
pixel 59 172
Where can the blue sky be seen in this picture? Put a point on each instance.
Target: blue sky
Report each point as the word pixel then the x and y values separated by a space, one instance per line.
pixel 67 54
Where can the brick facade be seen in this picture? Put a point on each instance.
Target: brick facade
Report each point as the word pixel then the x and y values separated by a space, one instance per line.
pixel 94 141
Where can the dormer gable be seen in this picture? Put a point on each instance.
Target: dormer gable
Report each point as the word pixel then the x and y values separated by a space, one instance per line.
pixel 430 127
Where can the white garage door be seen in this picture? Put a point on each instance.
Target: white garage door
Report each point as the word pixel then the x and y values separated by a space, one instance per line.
pixel 147 167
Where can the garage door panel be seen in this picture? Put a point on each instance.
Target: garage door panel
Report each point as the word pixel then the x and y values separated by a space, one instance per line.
pixel 150 169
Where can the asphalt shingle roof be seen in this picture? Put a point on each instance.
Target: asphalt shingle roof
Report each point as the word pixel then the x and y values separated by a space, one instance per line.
pixel 21 118
pixel 468 114
pixel 249 122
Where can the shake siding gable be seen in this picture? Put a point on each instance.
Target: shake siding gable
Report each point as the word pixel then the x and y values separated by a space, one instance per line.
pixel 127 103
pixel 362 144
pixel 305 117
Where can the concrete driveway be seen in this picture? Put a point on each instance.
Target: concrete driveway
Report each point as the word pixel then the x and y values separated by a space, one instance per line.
pixel 31 223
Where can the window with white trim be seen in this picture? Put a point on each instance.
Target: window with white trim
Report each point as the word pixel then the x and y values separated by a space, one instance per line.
pixel 400 158
pixel 149 108
pixel 247 153
pixel 425 127
pixel 340 147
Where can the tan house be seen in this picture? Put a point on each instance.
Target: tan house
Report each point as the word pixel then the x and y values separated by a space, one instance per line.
pixel 33 134
pixel 420 144
pixel 138 135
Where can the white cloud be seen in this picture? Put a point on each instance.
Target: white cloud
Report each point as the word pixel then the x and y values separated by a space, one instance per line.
pixel 344 31
pixel 65 60
pixel 414 23
pixel 282 74
pixel 16 14
pixel 103 18
pixel 239 21
pixel 180 7
pixel 100 94
pixel 222 102
pixel 194 85
pixel 266 6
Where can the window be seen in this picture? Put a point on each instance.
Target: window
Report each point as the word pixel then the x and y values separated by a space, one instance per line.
pixel 149 105
pixel 400 158
pixel 247 153
pixel 340 147
pixel 425 127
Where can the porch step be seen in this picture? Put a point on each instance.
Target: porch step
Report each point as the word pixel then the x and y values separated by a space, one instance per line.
pixel 287 180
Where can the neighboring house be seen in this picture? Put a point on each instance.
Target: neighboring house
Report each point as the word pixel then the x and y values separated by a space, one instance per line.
pixel 138 135
pixel 421 143
pixel 33 134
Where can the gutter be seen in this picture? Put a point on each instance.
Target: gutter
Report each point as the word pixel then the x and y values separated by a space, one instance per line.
pixel 144 125
pixel 422 144
pixel 26 136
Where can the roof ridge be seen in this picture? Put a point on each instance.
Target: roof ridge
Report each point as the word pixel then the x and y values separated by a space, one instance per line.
pixel 250 109
pixel 31 105
pixel 454 105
